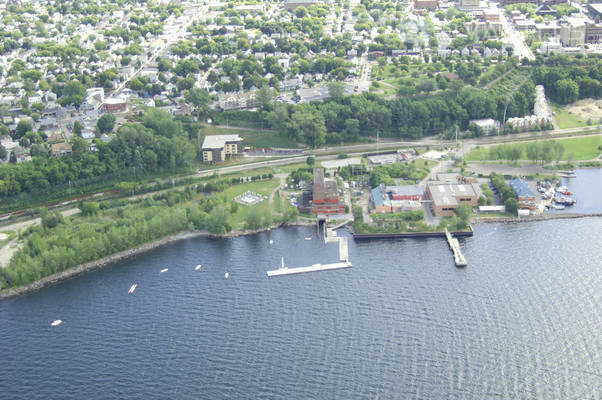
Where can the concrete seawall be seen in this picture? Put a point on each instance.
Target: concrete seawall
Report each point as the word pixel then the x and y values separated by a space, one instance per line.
pixel 533 218
pixel 367 236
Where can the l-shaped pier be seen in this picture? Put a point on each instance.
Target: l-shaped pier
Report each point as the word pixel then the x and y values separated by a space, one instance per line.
pixel 330 236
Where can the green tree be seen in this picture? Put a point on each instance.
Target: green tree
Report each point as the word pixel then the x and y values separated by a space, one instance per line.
pixel 567 91
pixel 106 123
pixel 336 90
pixel 77 128
pixel 2 153
pixel 74 93
pixel 90 208
pixel 511 206
pixel 199 98
pixel 23 127
pixel 253 220
pixel 311 161
pixel 264 96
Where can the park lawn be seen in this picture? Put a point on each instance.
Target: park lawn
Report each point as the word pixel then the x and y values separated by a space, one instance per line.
pixel 265 187
pixel 566 119
pixel 254 138
pixel 583 148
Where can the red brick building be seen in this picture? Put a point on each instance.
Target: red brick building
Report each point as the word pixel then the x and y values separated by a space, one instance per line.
pixel 325 195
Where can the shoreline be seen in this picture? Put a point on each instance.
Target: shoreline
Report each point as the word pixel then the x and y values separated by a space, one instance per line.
pixel 533 218
pixel 122 255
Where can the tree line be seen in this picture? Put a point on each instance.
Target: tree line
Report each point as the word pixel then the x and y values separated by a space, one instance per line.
pixel 115 225
pixel 156 143
pixel 347 118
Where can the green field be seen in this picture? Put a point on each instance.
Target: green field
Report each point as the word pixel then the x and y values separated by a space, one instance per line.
pixel 237 220
pixel 584 148
pixel 566 119
pixel 254 138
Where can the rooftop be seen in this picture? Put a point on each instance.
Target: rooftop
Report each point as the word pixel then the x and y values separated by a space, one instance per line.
pixel 445 193
pixel 521 188
pixel 219 141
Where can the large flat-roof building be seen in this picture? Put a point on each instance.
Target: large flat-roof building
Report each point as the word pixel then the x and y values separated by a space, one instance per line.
pixel 217 148
pixel 446 197
pixel 326 199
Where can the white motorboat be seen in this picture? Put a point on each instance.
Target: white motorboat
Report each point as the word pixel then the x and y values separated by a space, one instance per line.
pixel 307 238
pixel 56 322
pixel 271 241
pixel 164 270
pixel 227 275
pixel 198 267
pixel 133 288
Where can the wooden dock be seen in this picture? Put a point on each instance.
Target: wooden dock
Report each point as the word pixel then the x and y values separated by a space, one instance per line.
pixel 454 245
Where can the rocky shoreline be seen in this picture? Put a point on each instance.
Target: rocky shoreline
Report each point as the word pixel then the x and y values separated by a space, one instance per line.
pixel 101 262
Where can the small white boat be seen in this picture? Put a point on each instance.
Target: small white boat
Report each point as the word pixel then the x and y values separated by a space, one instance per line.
pixel 56 322
pixel 164 270
pixel 133 288
pixel 198 267
pixel 271 241
pixel 307 238
pixel 227 275
pixel 282 263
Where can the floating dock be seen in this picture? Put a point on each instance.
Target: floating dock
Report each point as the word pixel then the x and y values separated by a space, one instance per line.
pixel 311 268
pixel 454 245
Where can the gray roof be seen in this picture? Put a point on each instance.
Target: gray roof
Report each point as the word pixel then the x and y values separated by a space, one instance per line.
pixel 219 141
pixel 408 190
pixel 445 194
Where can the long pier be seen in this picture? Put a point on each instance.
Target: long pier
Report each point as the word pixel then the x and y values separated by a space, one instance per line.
pixel 311 268
pixel 454 245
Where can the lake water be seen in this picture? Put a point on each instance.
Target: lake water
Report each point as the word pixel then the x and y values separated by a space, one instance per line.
pixel 522 321
pixel 586 190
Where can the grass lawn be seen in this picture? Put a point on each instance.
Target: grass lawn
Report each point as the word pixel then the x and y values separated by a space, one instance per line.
pixel 265 138
pixel 421 163
pixel 584 148
pixel 238 219
pixel 566 119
